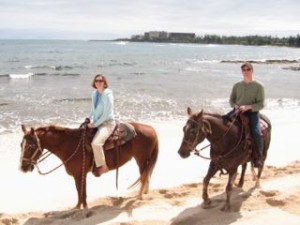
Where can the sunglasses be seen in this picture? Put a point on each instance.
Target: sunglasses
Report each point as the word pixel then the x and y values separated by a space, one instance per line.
pixel 246 70
pixel 99 81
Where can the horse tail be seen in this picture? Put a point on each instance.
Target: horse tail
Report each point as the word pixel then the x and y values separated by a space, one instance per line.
pixel 148 167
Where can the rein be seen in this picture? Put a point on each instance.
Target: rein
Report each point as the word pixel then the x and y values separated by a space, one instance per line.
pixel 197 152
pixel 47 154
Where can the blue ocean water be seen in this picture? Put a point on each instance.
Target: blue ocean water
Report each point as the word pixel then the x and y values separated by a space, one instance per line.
pixel 48 81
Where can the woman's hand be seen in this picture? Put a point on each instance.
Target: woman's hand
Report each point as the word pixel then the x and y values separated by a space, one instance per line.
pixel 90 125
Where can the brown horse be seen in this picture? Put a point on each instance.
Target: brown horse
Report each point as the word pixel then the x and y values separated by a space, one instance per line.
pixel 230 146
pixel 68 145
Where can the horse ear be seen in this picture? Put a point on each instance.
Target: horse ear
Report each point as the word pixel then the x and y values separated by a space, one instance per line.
pixel 32 131
pixel 24 128
pixel 200 114
pixel 189 111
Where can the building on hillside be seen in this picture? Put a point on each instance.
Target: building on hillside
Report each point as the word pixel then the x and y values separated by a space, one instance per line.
pixel 181 36
pixel 156 36
pixel 163 36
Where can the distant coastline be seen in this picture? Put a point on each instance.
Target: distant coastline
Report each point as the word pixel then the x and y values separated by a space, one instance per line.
pixel 256 40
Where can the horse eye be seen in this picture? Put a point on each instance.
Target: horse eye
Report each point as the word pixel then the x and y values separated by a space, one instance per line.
pixel 192 131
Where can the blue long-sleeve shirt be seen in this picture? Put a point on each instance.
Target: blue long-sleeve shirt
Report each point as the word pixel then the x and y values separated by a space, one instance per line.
pixel 102 107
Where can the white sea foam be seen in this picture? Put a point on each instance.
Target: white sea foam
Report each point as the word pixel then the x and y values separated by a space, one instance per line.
pixel 121 42
pixel 21 76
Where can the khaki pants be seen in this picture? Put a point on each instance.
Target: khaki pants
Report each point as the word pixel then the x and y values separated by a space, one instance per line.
pixel 104 131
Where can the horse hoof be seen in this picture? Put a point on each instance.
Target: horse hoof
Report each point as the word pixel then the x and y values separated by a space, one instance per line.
pixel 226 208
pixel 206 204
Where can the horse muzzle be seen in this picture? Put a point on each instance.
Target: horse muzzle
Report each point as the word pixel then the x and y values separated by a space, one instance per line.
pixel 28 167
pixel 184 153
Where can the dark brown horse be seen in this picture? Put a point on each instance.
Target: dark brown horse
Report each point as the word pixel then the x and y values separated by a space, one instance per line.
pixel 230 146
pixel 67 145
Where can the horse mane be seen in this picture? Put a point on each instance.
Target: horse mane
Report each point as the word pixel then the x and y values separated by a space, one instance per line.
pixel 217 116
pixel 213 114
pixel 60 129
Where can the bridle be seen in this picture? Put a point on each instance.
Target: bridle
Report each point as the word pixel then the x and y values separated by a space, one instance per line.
pixel 45 155
pixel 38 148
pixel 198 131
pixel 197 151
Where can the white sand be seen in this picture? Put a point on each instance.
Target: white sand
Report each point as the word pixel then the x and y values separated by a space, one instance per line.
pixel 175 194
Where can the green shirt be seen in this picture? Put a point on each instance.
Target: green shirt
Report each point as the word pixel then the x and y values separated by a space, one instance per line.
pixel 248 94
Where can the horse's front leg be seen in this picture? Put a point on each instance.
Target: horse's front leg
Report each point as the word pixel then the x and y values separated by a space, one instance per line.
pixel 210 173
pixel 231 179
pixel 241 182
pixel 80 182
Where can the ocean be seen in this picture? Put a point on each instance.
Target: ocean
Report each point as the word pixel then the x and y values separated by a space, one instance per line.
pixel 44 82
pixel 49 82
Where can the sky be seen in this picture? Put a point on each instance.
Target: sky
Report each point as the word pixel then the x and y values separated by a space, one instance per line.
pixel 110 19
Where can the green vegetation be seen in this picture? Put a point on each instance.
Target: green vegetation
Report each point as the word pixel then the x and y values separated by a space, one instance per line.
pixel 249 40
pixel 292 41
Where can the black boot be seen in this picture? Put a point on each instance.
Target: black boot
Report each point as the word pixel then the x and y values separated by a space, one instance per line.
pixel 257 163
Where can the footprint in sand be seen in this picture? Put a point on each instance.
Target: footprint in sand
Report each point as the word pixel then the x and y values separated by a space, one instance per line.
pixel 9 221
pixel 216 187
pixel 273 198
pixel 162 191
pixel 276 201
pixel 270 193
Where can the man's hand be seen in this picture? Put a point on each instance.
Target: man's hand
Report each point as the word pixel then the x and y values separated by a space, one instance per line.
pixel 244 108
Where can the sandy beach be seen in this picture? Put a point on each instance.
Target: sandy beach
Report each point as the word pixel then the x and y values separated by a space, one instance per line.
pixel 175 190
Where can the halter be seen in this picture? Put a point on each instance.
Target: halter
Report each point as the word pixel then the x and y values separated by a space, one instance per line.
pixel 197 152
pixel 47 154
pixel 38 149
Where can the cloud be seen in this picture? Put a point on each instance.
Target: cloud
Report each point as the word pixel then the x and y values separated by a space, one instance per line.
pixel 90 18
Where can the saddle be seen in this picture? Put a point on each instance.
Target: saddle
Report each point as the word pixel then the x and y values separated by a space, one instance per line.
pixel 248 136
pixel 122 133
pixel 264 126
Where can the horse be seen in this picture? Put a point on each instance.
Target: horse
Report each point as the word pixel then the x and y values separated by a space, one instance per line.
pixel 230 146
pixel 68 145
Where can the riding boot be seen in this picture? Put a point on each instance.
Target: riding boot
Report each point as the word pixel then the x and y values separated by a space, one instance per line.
pixel 98 171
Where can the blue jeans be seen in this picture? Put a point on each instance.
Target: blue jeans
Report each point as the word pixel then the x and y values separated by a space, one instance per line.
pixel 256 130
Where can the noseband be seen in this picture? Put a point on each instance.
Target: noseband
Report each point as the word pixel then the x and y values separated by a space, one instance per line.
pixel 196 151
pixel 31 160
pixel 202 129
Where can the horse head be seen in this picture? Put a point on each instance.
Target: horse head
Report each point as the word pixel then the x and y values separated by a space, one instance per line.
pixel 195 131
pixel 30 149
